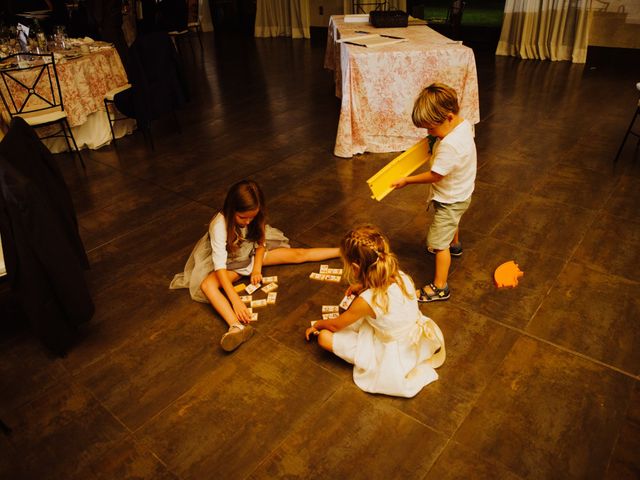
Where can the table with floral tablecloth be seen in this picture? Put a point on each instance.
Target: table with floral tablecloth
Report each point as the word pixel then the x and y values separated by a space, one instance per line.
pixel 86 72
pixel 378 85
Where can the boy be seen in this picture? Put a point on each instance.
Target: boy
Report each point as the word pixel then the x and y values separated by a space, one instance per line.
pixel 453 177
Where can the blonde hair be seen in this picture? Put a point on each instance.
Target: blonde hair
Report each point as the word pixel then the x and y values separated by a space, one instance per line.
pixel 434 104
pixel 368 260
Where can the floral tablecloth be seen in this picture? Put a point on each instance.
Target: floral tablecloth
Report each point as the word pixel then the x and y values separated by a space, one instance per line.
pixel 378 85
pixel 84 80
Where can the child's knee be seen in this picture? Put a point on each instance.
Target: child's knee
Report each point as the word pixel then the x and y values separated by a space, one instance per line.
pixel 325 340
pixel 210 282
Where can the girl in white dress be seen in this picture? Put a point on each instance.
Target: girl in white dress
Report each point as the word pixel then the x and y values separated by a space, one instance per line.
pixel 394 348
pixel 238 243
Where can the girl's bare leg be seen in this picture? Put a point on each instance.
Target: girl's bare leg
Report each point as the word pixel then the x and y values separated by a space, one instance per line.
pixel 211 288
pixel 281 256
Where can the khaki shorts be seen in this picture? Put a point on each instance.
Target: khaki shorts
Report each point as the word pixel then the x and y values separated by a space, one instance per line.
pixel 445 223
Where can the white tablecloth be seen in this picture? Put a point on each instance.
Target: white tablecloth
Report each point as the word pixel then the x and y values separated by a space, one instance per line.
pixel 379 85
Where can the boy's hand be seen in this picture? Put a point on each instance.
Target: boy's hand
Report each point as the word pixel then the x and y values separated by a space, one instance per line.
pixel 399 183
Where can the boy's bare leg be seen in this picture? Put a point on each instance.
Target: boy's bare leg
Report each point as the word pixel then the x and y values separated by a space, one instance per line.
pixel 456 236
pixel 281 256
pixel 443 262
pixel 211 288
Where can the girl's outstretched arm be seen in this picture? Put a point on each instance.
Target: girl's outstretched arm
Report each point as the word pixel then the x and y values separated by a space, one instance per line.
pixel 358 309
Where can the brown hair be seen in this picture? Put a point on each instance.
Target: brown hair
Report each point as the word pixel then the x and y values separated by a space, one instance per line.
pixel 244 196
pixel 377 267
pixel 434 104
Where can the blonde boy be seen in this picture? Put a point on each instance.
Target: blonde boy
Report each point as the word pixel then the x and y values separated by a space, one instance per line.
pixel 452 175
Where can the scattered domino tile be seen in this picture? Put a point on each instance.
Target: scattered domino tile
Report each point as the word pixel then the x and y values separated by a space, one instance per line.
pixel 324 277
pixel 267 280
pixel 245 298
pixel 330 309
pixel 313 322
pixel 346 301
pixel 329 316
pixel 334 271
pixel 252 288
pixel 254 317
pixel 259 303
pixel 270 288
pixel 324 268
pixel 240 287
pixel 271 298
pixel 250 310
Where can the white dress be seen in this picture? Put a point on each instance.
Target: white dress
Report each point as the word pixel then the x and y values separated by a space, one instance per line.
pixel 395 353
pixel 210 254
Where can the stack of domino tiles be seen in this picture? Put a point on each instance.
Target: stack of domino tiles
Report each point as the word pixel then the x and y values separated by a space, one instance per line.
pixel 327 274
pixel 271 284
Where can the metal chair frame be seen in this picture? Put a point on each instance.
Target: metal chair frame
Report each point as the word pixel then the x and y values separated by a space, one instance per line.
pixel 44 88
pixel 630 131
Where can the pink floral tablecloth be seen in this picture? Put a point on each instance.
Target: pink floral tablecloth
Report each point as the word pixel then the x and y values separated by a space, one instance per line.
pixel 86 79
pixel 378 85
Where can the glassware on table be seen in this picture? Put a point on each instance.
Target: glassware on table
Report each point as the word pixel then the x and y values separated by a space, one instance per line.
pixel 60 36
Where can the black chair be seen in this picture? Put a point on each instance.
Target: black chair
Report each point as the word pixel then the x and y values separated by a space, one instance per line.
pixel 30 89
pixel 109 107
pixel 158 86
pixel 193 20
pixel 630 131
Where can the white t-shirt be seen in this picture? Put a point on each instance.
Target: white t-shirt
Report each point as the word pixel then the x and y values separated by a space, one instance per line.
pixel 455 158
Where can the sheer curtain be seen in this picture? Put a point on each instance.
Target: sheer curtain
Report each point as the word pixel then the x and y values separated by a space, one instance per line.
pixel 546 29
pixel 282 18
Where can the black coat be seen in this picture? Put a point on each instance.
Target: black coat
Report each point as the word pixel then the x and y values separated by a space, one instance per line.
pixel 43 254
pixel 22 148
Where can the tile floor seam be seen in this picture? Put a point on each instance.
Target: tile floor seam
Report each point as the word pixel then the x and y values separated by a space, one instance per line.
pixel 150 182
pixel 548 342
pixel 286 437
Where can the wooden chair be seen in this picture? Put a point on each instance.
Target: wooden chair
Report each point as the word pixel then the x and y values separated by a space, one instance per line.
pixel 30 89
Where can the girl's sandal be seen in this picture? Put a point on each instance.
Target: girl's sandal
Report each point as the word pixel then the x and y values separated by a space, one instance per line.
pixel 235 336
pixel 436 294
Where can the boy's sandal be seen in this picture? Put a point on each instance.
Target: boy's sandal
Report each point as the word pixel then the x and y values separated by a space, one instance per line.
pixel 436 294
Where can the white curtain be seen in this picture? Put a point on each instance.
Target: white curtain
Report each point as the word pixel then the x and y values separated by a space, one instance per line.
pixel 546 29
pixel 347 5
pixel 276 18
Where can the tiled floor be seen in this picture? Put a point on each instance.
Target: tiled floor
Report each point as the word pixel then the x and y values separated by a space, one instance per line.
pixel 541 381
